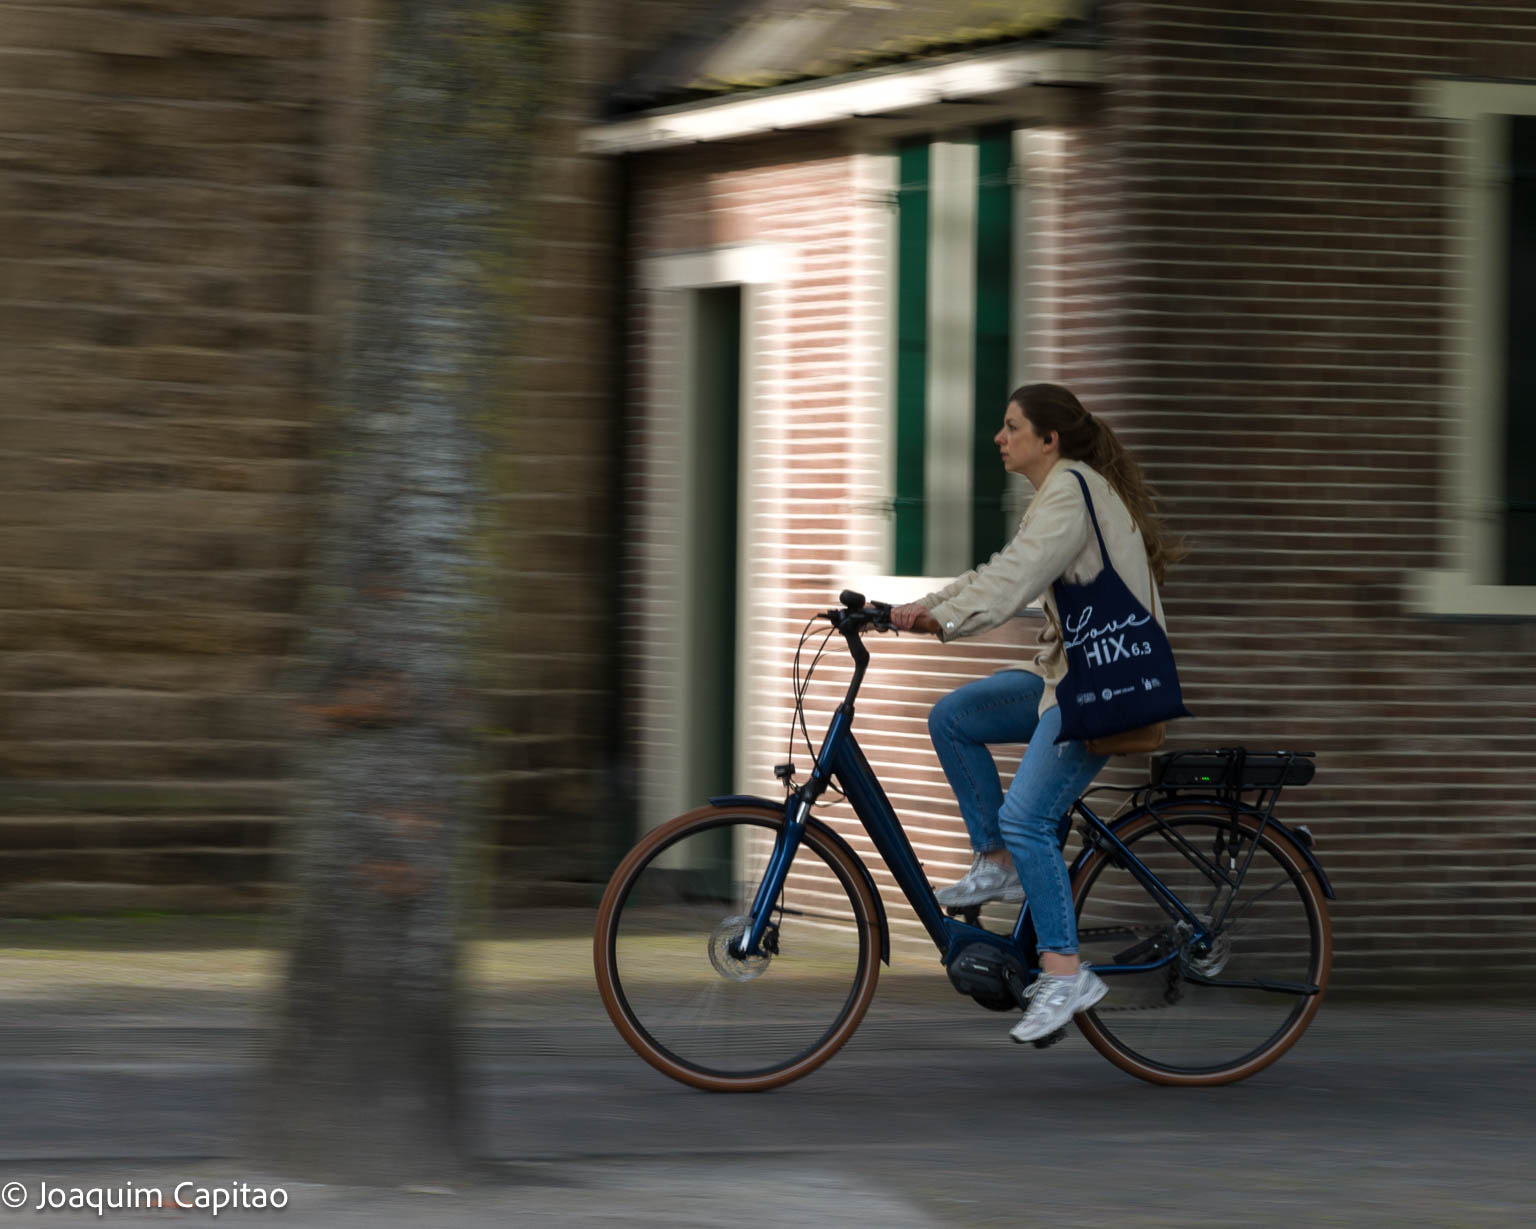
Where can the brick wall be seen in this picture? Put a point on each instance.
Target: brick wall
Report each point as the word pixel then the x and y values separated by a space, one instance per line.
pixel 817 406
pixel 1281 340
pixel 1245 270
pixel 157 246
pixel 179 184
pixel 563 798
pixel 796 409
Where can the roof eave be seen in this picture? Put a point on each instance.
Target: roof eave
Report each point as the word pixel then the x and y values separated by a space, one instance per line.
pixel 884 92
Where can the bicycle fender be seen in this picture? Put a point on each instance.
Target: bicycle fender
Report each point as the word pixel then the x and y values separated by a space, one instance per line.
pixel 753 800
pixel 1301 846
pixel 1306 852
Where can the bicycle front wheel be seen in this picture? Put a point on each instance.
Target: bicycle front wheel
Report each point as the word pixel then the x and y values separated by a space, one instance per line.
pixel 672 983
pixel 1213 1016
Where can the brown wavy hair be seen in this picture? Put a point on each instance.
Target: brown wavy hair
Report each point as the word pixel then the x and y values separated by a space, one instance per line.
pixel 1053 409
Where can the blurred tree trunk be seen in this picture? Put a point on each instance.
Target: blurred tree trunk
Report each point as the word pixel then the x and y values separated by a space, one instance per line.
pixel 365 1080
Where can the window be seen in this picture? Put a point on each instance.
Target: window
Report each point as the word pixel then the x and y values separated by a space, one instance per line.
pixel 1492 539
pixel 911 502
pixel 955 333
pixel 993 364
pixel 1519 545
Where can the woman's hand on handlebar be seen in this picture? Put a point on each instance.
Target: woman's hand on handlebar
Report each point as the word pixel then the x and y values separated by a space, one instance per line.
pixel 914 617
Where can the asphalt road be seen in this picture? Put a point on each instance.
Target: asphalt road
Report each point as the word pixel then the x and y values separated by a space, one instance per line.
pixel 930 1117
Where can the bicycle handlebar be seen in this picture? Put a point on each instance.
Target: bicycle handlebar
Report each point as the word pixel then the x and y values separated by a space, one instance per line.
pixel 857 612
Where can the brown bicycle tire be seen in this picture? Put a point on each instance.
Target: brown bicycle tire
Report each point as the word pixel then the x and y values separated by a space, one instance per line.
pixel 866 912
pixel 1101 1036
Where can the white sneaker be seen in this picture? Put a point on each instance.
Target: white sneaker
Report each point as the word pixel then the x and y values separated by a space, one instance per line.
pixel 985 881
pixel 1055 1000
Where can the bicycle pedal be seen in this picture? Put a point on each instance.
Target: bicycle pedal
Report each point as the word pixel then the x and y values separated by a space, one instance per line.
pixel 1050 1039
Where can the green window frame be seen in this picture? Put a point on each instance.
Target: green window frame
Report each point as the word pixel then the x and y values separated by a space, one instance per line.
pixel 992 349
pixel 994 332
pixel 1519 529
pixel 910 503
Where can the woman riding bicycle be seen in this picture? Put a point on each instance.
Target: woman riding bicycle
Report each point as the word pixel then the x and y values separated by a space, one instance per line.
pixel 1046 436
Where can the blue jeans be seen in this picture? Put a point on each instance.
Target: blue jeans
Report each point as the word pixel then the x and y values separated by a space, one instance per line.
pixel 1004 708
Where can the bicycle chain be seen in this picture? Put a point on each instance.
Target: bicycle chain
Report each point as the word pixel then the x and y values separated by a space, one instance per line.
pixel 1171 993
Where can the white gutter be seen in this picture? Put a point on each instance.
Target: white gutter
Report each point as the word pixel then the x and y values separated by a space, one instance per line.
pixel 886 93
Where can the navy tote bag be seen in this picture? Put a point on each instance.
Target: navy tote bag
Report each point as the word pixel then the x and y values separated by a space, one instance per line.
pixel 1120 672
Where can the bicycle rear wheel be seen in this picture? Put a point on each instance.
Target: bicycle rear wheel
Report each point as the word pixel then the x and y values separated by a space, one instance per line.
pixel 1171 1025
pixel 675 990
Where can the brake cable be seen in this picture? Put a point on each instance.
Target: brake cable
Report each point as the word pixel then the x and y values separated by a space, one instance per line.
pixel 801 687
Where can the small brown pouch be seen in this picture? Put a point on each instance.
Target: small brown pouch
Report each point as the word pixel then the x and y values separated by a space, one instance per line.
pixel 1140 741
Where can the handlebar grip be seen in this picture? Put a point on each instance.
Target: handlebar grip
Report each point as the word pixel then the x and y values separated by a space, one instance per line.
pixel 852 600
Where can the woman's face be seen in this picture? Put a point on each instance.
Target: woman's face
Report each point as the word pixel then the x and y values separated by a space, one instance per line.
pixel 1022 450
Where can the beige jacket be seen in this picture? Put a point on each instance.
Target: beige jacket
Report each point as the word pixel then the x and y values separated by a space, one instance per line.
pixel 1055 540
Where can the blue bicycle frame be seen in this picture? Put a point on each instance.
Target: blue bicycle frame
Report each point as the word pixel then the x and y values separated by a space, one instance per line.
pixel 841 758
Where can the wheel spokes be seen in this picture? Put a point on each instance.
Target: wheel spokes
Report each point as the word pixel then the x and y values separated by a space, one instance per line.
pixel 695 1000
pixel 1227 989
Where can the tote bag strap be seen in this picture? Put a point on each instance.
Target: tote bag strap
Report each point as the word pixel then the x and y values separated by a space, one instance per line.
pixel 1093 516
pixel 1104 550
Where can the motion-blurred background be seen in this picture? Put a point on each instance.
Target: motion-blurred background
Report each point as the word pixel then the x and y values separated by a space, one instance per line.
pixel 768 272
